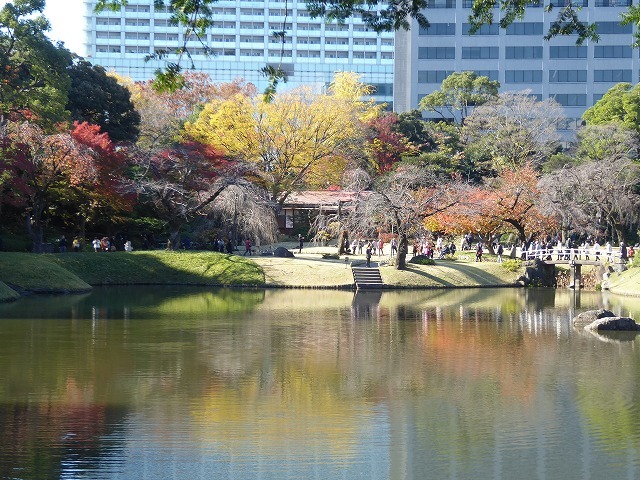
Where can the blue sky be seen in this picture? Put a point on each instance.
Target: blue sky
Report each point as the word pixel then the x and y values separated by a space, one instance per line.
pixel 67 22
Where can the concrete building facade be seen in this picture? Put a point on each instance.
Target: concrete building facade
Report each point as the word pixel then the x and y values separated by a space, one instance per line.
pixel 518 57
pixel 242 43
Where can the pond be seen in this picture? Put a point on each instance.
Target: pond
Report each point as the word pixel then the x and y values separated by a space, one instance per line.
pixel 164 383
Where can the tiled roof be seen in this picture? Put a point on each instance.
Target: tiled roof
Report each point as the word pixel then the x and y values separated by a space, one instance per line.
pixel 314 198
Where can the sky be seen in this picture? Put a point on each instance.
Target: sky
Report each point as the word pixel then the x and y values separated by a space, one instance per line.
pixel 67 22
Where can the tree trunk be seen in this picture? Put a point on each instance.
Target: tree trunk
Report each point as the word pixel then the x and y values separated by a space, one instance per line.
pixel 342 242
pixel 403 250
pixel 83 230
pixel 35 229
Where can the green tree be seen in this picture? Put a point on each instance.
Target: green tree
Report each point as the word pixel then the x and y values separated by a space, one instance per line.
pixel 99 99
pixel 599 143
pixel 458 93
pixel 415 129
pixel 515 129
pixel 33 77
pixel 620 104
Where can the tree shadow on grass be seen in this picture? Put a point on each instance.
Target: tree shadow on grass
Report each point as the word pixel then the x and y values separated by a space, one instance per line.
pixel 475 274
pixel 438 281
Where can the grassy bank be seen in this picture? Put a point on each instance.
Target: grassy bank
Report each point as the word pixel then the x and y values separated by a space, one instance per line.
pixel 447 273
pixel 625 283
pixel 29 273
pixel 76 272
pixel 311 270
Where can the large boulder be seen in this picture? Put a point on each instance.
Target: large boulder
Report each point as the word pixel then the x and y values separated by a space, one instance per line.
pixel 586 318
pixel 283 253
pixel 620 324
pixel 538 274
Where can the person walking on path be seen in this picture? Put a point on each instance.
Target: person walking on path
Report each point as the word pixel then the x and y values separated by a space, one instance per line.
pixel 394 246
pixel 62 244
pixel 76 244
pixel 301 243
pixel 623 252
pixel 369 252
pixel 500 251
pixel 479 252
pixel 247 246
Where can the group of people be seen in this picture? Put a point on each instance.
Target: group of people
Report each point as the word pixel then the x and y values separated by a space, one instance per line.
pixel 430 249
pixel 105 244
pixel 589 250
pixel 360 246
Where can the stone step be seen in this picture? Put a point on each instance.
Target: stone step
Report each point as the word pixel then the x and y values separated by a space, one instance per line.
pixel 367 277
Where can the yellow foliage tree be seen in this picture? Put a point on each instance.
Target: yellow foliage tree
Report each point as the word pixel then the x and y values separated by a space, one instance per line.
pixel 299 140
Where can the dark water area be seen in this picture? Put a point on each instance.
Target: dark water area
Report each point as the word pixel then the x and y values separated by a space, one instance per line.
pixel 184 383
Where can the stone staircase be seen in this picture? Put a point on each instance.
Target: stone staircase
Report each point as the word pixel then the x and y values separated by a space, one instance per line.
pixel 367 277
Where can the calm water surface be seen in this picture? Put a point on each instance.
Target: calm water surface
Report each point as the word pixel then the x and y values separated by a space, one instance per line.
pixel 137 383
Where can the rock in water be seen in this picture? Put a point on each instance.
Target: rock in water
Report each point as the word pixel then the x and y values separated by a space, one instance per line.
pixel 585 318
pixel 625 324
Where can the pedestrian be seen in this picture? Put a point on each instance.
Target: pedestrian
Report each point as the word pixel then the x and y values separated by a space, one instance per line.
pixel 247 247
pixel 500 251
pixel 76 244
pixel 229 246
pixel 380 246
pixel 479 252
pixel 96 244
pixel 62 244
pixel 623 252
pixel 127 246
pixel 369 252
pixel 394 246
pixel 301 243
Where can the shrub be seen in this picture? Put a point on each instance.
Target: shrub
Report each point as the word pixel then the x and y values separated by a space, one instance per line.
pixel 422 260
pixel 511 265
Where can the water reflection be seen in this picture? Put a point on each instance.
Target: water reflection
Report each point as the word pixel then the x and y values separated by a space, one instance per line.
pixel 194 383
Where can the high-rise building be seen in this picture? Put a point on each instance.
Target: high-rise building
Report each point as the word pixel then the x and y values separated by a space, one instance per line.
pixel 518 57
pixel 242 43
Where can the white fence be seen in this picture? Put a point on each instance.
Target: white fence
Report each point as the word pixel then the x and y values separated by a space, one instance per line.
pixel 569 255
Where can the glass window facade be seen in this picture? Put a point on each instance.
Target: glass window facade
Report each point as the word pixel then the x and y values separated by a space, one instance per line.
pixel 567 76
pixel 528 52
pixel 568 52
pixel 480 52
pixel 436 53
pixel 612 51
pixel 523 76
pixel 525 28
pixel 612 76
pixel 439 29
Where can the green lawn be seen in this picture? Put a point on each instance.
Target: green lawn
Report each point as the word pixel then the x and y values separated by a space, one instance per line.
pixel 76 272
pixel 626 283
pixel 449 273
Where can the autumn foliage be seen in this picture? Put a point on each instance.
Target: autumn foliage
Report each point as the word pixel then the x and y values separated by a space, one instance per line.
pixel 509 202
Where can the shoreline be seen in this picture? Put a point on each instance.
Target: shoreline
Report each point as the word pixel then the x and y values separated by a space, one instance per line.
pixel 26 274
